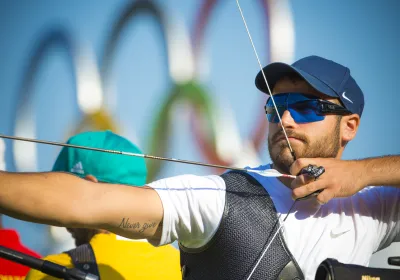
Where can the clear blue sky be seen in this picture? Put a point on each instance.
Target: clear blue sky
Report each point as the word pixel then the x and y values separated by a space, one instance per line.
pixel 362 34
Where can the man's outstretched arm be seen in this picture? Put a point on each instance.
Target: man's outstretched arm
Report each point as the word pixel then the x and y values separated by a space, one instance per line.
pixel 62 199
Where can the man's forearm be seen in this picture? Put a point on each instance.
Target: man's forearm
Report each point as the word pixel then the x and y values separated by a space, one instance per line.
pixel 381 171
pixel 40 197
pixel 63 199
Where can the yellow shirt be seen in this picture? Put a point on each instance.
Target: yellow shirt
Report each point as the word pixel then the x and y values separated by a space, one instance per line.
pixel 123 259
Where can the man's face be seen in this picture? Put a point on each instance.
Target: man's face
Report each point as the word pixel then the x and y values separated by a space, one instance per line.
pixel 308 140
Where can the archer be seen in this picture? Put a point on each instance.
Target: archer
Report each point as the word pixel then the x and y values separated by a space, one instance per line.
pixel 224 223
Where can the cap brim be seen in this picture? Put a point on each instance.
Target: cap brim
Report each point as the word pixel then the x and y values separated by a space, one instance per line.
pixel 275 71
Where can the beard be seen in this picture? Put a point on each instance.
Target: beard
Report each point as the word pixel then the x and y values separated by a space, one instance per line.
pixel 325 147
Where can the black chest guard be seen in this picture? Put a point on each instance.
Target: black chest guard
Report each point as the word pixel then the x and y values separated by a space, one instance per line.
pixel 245 230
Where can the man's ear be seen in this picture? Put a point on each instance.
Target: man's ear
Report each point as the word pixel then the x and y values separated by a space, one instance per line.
pixel 91 178
pixel 349 125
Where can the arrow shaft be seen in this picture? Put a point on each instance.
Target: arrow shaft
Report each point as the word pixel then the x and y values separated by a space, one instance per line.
pixel 118 152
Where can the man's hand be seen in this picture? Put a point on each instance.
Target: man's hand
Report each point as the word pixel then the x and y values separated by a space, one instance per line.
pixel 341 178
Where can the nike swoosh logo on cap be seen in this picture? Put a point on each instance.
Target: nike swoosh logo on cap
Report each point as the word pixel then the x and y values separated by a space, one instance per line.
pixel 345 97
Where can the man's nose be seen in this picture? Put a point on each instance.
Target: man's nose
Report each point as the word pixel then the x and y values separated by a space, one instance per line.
pixel 287 120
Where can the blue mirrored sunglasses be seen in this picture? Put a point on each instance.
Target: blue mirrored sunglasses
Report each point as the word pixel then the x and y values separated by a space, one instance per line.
pixel 303 108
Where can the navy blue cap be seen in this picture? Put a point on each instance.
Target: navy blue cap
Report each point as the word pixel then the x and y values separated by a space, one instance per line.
pixel 326 76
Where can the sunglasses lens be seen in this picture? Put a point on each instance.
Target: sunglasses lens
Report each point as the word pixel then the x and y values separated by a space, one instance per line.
pixel 273 117
pixel 305 111
pixel 271 113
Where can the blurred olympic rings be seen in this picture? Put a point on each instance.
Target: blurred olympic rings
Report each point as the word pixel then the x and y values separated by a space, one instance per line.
pixel 182 54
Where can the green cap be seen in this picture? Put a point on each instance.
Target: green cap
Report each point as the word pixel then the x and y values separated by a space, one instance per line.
pixel 106 167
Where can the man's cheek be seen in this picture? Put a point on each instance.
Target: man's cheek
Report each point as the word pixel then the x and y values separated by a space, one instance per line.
pixel 272 129
pixel 281 149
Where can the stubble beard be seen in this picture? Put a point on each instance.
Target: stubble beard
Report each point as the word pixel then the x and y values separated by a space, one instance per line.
pixel 326 147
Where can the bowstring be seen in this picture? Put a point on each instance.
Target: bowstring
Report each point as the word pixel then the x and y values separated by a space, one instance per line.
pixel 287 141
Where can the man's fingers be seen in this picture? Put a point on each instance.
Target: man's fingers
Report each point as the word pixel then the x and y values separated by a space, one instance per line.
pixel 325 196
pixel 299 164
pixel 306 189
pixel 302 180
